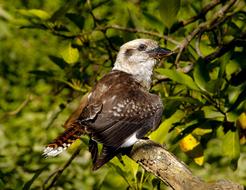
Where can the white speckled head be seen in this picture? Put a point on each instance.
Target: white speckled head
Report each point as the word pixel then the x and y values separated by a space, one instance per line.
pixel 136 58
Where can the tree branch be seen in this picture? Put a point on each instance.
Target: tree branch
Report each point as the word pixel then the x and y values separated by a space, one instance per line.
pixel 227 47
pixel 217 19
pixel 135 30
pixel 200 15
pixel 164 165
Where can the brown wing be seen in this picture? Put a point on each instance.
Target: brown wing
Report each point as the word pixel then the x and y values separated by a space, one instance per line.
pixel 124 110
pixel 117 129
pixel 117 108
pixel 119 118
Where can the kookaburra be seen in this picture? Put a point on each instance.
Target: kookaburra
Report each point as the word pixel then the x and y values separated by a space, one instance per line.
pixel 119 110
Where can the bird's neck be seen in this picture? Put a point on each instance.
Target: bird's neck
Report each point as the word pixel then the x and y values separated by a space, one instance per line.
pixel 142 74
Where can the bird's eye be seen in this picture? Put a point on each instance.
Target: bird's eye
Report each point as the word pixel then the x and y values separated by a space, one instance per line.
pixel 142 47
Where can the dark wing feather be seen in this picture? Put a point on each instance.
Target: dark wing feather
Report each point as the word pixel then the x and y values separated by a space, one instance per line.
pixel 119 118
pixel 115 135
pixel 119 107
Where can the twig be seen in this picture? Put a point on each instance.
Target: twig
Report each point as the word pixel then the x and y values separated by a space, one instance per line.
pixel 134 30
pixel 187 40
pixel 200 15
pixel 208 25
pixel 55 115
pixel 226 47
pixel 20 107
pixel 59 172
pixel 197 45
pixel 100 3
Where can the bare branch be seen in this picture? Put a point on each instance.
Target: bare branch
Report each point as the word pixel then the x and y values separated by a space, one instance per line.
pixel 157 160
pixel 20 107
pixel 134 30
pixel 12 113
pixel 217 19
pixel 164 165
pixel 227 47
pixel 200 15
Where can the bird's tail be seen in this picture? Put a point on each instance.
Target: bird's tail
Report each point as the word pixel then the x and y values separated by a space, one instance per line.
pixel 63 141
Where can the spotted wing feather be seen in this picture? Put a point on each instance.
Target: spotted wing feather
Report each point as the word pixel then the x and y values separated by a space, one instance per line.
pixel 127 109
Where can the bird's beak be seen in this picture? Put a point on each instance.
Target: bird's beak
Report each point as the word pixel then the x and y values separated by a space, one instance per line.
pixel 159 53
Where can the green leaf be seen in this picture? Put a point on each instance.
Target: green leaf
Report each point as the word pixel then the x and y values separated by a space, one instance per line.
pixel 231 145
pixel 199 127
pixel 41 14
pixel 232 67
pixel 5 15
pixel 160 134
pixel 155 22
pixel 75 84
pixel 62 10
pixel 58 61
pixel 169 11
pixel 124 173
pixel 183 99
pixel 211 113
pixel 202 131
pixel 70 54
pixel 240 99
pixel 201 75
pixel 179 77
pixel 130 165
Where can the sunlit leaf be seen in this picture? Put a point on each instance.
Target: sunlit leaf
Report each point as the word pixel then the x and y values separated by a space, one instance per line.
pixel 179 77
pixel 70 54
pixel 240 98
pixel 188 143
pixel 38 13
pixel 201 131
pixel 186 129
pixel 124 173
pixel 192 147
pixel 231 145
pixel 4 14
pixel 241 121
pixel 76 85
pixel 130 165
pixel 232 67
pixel 210 112
pixel 74 146
pixel 160 134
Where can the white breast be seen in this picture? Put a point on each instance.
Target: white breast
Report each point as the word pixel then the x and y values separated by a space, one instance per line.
pixel 130 140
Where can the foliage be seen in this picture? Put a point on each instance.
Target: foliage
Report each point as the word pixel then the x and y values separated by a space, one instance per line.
pixel 53 52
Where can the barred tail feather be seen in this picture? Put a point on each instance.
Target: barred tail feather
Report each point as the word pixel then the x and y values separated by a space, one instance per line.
pixel 63 141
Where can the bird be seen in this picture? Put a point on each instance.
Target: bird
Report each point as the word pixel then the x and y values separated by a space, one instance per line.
pixel 119 110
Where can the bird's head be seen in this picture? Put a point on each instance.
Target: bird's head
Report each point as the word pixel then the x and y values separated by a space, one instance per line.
pixel 138 57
